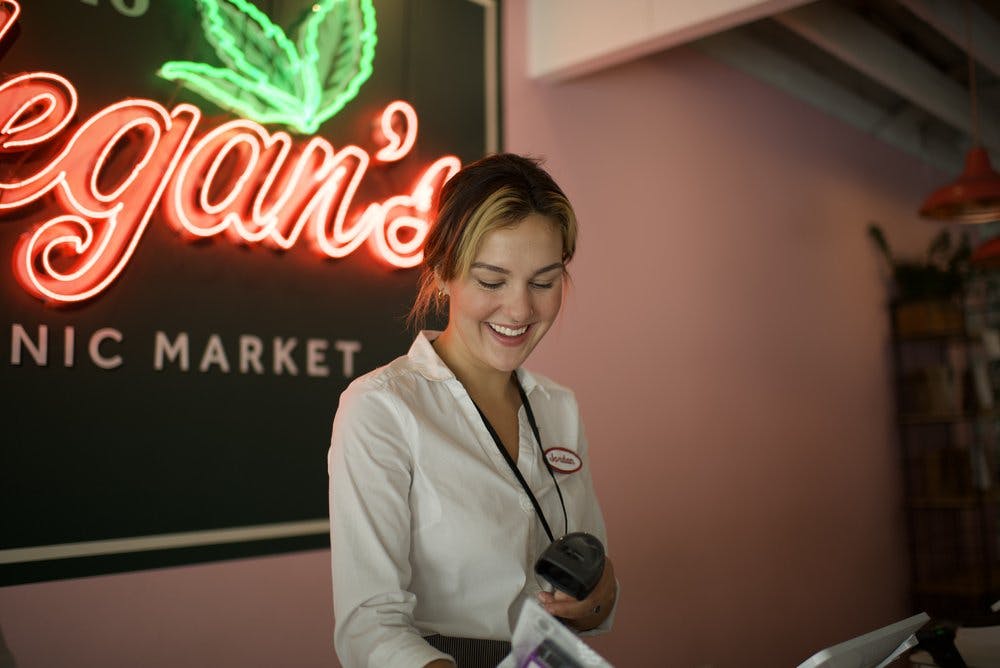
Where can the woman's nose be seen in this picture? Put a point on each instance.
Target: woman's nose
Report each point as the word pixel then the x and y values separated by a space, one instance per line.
pixel 519 306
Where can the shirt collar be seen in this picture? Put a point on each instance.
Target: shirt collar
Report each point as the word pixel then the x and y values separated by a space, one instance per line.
pixel 530 383
pixel 426 361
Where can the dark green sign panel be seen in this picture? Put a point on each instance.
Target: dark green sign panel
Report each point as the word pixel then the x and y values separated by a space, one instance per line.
pixel 182 412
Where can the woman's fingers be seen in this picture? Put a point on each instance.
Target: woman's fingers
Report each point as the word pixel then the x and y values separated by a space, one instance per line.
pixel 561 604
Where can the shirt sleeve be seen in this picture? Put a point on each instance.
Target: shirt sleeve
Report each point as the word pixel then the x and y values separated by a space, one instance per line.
pixel 370 472
pixel 594 520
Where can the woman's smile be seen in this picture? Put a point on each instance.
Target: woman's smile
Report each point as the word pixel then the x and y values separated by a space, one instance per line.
pixel 508 334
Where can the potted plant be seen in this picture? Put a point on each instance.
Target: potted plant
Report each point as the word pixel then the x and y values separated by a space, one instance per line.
pixel 927 296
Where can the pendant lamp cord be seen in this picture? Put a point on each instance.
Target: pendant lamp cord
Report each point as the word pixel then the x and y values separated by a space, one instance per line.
pixel 973 93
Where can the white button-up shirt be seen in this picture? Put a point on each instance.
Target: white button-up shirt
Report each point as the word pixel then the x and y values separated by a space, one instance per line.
pixel 431 531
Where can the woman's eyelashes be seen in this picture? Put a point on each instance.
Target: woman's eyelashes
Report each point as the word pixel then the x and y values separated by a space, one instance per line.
pixel 538 285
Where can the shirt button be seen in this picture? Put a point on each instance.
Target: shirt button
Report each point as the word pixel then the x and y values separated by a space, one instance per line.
pixel 526 504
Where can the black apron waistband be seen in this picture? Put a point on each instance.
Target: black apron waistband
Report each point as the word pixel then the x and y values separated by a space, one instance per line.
pixel 471 652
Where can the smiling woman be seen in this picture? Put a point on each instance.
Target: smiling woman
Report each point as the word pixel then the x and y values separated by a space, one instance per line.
pixel 443 484
pixel 503 306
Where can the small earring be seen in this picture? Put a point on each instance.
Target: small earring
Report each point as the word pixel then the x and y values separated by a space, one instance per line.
pixel 441 293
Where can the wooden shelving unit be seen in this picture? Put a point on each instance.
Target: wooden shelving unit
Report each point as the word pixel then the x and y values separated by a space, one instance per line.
pixel 948 421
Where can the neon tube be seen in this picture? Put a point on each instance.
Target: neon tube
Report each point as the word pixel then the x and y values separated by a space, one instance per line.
pixel 237 180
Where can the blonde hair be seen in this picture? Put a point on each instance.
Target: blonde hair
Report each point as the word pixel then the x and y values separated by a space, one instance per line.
pixel 495 192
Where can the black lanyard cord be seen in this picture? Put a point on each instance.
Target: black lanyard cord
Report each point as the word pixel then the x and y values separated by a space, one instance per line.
pixel 517 472
pixel 538 440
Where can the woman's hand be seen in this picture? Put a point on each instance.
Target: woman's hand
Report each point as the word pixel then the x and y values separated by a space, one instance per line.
pixel 591 611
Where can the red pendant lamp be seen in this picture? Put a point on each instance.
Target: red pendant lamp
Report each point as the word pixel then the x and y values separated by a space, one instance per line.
pixel 987 254
pixel 975 196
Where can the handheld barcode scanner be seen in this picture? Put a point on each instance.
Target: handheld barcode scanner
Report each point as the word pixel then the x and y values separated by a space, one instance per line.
pixel 573 564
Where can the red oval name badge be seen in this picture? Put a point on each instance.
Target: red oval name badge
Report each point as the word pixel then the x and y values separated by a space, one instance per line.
pixel 563 460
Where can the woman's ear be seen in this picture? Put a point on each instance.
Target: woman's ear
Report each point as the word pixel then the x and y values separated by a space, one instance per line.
pixel 440 285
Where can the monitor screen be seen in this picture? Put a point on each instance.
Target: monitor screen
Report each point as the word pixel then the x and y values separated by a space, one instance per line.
pixel 872 650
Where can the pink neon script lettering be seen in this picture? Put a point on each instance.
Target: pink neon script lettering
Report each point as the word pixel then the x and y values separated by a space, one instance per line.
pixel 238 180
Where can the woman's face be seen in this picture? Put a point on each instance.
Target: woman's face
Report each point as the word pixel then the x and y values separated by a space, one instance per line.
pixel 499 312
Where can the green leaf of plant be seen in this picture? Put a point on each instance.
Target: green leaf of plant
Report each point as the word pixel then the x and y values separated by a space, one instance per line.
pixel 940 245
pixel 961 256
pixel 337 44
pixel 247 41
pixel 875 232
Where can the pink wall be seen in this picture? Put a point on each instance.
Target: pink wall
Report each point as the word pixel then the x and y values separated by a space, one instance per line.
pixel 727 340
pixel 253 613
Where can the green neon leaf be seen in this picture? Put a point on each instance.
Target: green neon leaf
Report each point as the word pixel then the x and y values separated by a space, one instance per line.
pixel 231 90
pixel 246 40
pixel 338 47
pixel 268 78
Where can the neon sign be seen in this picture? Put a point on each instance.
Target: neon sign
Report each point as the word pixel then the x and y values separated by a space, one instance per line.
pixel 271 79
pixel 237 180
